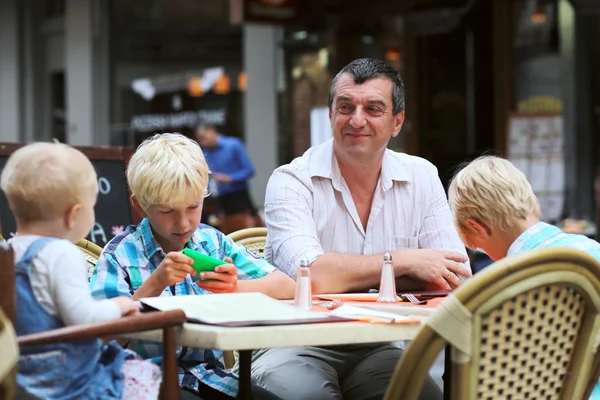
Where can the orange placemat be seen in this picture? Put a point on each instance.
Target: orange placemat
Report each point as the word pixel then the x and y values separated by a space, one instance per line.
pixel 372 298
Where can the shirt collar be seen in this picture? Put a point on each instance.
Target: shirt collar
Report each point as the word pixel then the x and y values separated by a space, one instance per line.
pixel 151 245
pixel 324 164
pixel 518 244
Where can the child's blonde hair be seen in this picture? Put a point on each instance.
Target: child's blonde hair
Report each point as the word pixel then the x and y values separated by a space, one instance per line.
pixel 168 169
pixel 43 180
pixel 491 190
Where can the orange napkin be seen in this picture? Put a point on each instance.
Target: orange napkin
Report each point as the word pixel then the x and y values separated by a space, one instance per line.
pixel 370 297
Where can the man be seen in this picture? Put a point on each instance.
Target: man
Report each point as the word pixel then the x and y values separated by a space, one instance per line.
pixel 341 206
pixel 231 168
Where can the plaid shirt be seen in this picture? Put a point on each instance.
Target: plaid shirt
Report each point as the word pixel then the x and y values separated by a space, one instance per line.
pixel 544 235
pixel 131 257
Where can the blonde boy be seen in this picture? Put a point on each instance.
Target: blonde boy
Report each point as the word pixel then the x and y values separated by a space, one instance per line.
pixel 168 178
pixel 495 209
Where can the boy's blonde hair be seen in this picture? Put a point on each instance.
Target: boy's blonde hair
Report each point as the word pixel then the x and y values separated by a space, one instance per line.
pixel 169 169
pixel 43 180
pixel 491 190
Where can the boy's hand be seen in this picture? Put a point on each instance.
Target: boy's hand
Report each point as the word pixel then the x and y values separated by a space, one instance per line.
pixel 173 269
pixel 222 280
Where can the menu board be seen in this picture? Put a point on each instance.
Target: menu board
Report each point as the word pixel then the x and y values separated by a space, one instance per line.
pixel 536 147
pixel 113 209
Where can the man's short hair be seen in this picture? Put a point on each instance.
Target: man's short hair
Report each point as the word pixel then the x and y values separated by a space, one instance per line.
pixel 491 190
pixel 43 180
pixel 365 69
pixel 168 169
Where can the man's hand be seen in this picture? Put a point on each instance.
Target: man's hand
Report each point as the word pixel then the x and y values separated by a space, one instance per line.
pixel 221 178
pixel 223 280
pixel 173 269
pixel 441 268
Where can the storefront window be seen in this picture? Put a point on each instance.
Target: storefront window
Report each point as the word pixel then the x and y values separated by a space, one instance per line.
pixel 314 56
pixel 175 64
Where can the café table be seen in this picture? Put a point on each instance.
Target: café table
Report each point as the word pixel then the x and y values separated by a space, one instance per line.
pixel 247 339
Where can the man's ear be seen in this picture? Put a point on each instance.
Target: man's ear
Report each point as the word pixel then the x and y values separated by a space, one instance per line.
pixel 71 215
pixel 137 206
pixel 398 122
pixel 480 227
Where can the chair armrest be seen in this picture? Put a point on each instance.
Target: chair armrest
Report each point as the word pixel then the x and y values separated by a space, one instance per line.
pixel 138 323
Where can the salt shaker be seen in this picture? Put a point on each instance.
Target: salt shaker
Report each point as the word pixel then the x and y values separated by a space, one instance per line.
pixel 387 286
pixel 303 298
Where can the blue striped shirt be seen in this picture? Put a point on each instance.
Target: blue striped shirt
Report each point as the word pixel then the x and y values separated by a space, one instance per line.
pixel 543 235
pixel 129 259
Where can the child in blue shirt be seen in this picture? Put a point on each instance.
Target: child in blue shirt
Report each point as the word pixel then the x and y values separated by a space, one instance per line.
pixel 496 210
pixel 168 178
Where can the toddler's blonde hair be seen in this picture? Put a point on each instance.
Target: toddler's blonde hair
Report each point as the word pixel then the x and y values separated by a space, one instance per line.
pixel 43 180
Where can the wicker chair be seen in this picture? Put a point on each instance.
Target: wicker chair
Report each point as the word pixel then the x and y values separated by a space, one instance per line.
pixel 253 239
pixel 526 327
pixel 9 360
pixel 91 251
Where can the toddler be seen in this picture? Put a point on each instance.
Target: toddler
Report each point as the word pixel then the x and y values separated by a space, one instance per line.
pixel 52 189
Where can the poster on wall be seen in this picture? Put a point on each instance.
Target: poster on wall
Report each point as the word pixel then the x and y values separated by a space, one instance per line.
pixel 320 126
pixel 535 146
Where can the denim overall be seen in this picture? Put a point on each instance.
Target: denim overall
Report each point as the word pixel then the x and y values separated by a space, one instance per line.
pixel 77 370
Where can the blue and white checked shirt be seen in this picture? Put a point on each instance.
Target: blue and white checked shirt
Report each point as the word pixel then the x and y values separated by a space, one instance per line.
pixel 129 259
pixel 543 235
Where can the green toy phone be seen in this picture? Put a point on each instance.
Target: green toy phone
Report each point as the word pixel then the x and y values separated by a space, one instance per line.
pixel 202 262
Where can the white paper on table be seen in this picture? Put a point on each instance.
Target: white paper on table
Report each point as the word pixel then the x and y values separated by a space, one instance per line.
pixel 349 311
pixel 538 174
pixel 221 309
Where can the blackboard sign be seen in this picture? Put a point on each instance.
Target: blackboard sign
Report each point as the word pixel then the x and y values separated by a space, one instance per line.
pixel 113 209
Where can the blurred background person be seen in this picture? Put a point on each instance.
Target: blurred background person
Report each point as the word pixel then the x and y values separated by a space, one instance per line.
pixel 231 168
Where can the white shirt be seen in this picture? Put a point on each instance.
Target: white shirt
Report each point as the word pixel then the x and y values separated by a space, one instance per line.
pixel 309 210
pixel 59 281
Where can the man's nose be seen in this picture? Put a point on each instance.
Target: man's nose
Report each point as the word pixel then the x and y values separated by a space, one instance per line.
pixel 358 119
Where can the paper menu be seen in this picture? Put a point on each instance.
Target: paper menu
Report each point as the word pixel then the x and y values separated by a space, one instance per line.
pixel 370 315
pixel 237 309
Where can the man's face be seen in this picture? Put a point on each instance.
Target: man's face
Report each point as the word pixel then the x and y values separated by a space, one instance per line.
pixel 362 119
pixel 206 137
pixel 173 226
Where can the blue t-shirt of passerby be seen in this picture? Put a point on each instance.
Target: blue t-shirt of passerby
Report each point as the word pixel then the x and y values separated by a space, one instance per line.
pixel 229 157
